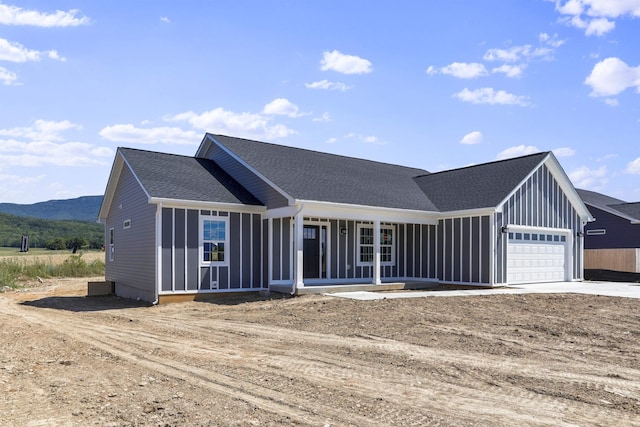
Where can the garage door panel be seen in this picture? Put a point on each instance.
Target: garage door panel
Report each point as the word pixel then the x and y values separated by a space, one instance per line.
pixel 533 257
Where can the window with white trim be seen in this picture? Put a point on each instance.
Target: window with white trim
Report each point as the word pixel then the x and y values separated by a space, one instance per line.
pixel 214 240
pixel 366 245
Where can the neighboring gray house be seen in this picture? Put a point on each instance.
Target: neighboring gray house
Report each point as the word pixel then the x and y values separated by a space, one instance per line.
pixel 612 240
pixel 244 215
pixel 616 225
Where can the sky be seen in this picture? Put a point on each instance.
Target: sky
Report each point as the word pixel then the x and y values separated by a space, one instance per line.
pixel 429 84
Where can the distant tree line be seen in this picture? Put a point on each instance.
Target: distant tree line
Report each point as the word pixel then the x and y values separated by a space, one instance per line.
pixel 51 234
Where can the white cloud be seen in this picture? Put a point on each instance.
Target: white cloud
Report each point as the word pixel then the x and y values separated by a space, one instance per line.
pixel 633 167
pixel 165 20
pixel 282 107
pixel 564 151
pixel 157 135
pixel 488 95
pixel 516 151
pixel 7 77
pixel 552 41
pixel 327 85
pixel 461 70
pixel 599 27
pixel 512 71
pixel 47 153
pixel 584 177
pixel 324 118
pixel 13 15
pixel 15 52
pixel 612 76
pixel 367 139
pixel 612 102
pixel 244 125
pixel 595 16
pixel 332 140
pixel 518 53
pixel 42 130
pixel 474 137
pixel 346 64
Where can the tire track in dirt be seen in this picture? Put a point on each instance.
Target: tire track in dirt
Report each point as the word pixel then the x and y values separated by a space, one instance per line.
pixel 398 387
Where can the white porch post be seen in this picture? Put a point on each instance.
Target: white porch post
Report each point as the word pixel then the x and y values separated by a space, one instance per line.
pixel 376 252
pixel 298 250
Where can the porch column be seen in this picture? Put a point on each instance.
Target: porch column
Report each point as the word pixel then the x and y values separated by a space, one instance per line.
pixel 376 253
pixel 298 250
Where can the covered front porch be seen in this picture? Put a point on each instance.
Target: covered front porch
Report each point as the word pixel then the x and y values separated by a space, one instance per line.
pixel 318 249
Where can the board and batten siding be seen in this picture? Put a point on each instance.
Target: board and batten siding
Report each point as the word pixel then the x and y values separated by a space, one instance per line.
pixel 539 202
pixel 415 251
pixel 464 247
pixel 249 180
pixel 133 269
pixel 182 271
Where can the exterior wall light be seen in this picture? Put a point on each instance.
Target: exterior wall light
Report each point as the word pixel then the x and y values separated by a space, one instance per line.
pixel 580 234
pixel 505 229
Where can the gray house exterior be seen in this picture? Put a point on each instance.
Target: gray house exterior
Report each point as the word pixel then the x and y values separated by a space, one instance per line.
pixel 616 224
pixel 244 215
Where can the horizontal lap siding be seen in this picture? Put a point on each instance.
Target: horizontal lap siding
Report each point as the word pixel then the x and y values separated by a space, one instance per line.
pixel 181 269
pixel 539 202
pixel 133 268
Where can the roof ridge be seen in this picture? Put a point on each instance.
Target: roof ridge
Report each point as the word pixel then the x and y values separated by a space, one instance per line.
pixel 493 162
pixel 324 153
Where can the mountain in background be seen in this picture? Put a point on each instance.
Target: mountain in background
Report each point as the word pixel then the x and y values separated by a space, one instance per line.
pixel 84 208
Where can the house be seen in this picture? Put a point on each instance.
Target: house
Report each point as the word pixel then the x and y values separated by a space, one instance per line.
pixel 244 215
pixel 612 240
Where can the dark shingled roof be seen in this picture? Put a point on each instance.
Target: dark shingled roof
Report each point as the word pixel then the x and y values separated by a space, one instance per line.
pixel 312 175
pixel 597 199
pixel 629 209
pixel 172 176
pixel 610 204
pixel 479 186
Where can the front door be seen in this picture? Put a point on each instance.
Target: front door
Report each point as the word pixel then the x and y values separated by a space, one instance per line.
pixel 311 248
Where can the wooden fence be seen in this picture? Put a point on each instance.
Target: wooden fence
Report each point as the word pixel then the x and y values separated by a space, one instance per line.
pixel 627 260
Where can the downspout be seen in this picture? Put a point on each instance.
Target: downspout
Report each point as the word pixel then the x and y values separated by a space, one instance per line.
pixel 293 286
pixel 158 252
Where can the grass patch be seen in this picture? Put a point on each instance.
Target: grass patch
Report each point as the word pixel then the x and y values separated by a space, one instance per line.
pixel 15 270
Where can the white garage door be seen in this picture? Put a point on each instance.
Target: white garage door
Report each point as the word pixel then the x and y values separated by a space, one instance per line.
pixel 536 257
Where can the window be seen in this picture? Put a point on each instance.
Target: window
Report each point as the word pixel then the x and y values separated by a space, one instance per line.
pixel 214 240
pixel 111 245
pixel 126 224
pixel 366 249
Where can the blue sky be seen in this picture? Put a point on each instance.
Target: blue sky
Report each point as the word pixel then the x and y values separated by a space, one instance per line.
pixel 430 84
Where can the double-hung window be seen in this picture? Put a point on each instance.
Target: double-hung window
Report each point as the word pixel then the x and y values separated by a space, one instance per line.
pixel 366 250
pixel 112 246
pixel 214 238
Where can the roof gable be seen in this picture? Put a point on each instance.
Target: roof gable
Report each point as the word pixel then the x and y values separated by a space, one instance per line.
pixel 315 176
pixel 170 176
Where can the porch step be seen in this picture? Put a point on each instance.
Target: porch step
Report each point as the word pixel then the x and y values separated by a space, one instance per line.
pixel 324 289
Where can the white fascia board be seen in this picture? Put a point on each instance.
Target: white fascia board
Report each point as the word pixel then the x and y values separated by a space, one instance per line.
pixel 567 186
pixel 204 145
pixel 364 213
pixel 196 204
pixel 619 214
pixel 563 181
pixel 116 172
pixel 283 193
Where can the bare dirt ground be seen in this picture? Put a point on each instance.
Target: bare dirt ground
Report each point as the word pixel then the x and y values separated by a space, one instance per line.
pixel 526 360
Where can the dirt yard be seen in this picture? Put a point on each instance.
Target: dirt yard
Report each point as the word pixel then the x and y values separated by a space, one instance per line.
pixel 525 360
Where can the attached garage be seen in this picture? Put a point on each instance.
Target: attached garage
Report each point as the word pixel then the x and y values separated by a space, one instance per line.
pixel 535 255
